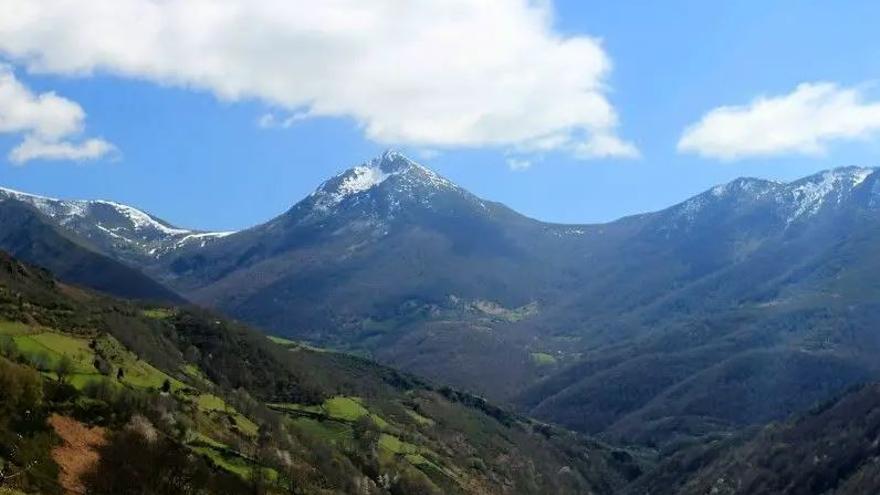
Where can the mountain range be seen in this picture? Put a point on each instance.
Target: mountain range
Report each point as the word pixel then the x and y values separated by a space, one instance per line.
pixel 739 306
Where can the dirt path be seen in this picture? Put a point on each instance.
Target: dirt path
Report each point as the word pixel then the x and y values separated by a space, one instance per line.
pixel 78 453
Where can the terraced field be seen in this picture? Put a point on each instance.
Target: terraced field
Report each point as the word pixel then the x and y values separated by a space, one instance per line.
pixel 46 348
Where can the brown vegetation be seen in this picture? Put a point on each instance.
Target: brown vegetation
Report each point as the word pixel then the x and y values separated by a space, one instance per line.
pixel 78 454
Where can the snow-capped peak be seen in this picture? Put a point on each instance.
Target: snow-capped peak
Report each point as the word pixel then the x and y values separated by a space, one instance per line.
pixel 369 175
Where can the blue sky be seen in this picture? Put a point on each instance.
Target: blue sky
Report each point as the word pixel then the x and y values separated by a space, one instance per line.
pixel 202 161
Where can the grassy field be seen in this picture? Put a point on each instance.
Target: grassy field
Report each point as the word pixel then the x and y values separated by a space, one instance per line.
pixel 209 403
pixel 351 409
pixel 45 349
pixel 13 328
pixel 158 313
pixel 282 340
pixel 333 422
pixel 340 408
pixel 330 431
pixel 394 445
pixel 298 408
pixel 543 359
pixel 228 459
pixel 294 345
pixel 419 419
pixel 137 372
pixel 345 408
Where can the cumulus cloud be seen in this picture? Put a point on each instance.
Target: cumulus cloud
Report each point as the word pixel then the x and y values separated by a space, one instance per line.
pixel 35 149
pixel 421 73
pixel 605 146
pixel 805 121
pixel 46 120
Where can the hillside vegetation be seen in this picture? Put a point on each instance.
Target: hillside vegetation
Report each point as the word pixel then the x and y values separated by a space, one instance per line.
pixel 188 402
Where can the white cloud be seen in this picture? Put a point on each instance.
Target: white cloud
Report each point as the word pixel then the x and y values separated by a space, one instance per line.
pixel 605 146
pixel 46 115
pixel 805 121
pixel 35 149
pixel 518 164
pixel 422 73
pixel 46 120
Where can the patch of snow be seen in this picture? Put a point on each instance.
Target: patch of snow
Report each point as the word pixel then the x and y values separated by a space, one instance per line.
pixel 141 220
pixel 689 209
pixel 808 196
pixel 361 179
pixel 212 235
pixel 205 237
pixel 111 233
pixel 51 207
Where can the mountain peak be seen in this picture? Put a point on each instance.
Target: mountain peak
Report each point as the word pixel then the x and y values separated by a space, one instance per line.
pixel 364 177
pixel 392 161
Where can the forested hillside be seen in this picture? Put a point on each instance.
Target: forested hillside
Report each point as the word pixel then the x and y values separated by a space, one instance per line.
pixel 178 400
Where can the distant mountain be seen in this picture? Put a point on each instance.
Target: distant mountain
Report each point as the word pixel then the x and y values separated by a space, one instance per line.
pixel 738 306
pixel 742 305
pixel 121 230
pixel 34 237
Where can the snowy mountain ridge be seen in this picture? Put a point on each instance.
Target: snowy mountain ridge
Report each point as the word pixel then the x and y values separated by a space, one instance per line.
pixel 108 222
pixel 790 201
pixel 375 192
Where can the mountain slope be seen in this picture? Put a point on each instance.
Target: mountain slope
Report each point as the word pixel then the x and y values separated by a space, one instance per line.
pixel 769 275
pixel 30 235
pixel 185 384
pixel 832 449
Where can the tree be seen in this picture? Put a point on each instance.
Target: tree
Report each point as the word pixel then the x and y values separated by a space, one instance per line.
pixel 8 347
pixel 103 366
pixel 166 386
pixel 413 484
pixel 41 361
pixel 120 374
pixel 21 390
pixel 64 368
